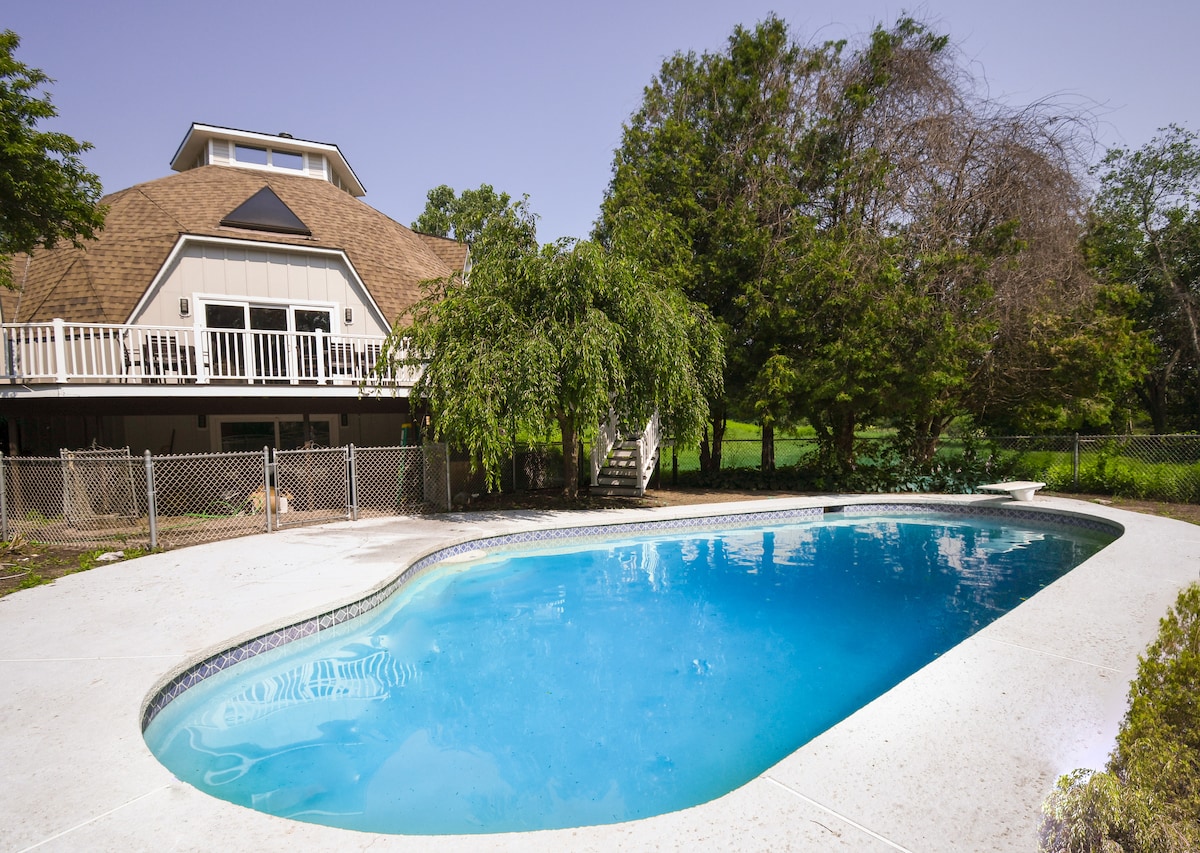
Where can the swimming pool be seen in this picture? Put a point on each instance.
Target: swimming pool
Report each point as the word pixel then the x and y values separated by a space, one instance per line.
pixel 745 694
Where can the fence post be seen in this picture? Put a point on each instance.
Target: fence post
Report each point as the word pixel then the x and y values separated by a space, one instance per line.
pixel 267 485
pixel 449 494
pixel 1075 465
pixel 151 501
pixel 352 482
pixel 3 501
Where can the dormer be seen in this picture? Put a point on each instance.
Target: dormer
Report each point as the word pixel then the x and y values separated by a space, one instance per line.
pixel 206 144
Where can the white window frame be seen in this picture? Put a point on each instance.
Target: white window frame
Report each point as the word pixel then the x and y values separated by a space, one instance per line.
pixel 202 300
pixel 270 164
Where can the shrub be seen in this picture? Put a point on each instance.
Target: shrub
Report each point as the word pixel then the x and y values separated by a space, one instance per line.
pixel 1148 798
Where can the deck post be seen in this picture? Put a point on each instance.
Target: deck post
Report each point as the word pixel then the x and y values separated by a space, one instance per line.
pixel 60 350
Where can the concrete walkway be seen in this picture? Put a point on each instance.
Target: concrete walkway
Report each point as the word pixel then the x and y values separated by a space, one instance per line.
pixel 957 757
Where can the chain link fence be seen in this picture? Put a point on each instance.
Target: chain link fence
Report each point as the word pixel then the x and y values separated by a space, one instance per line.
pixel 109 500
pixel 203 497
pixel 81 499
pixel 311 486
pixel 533 466
pixel 1160 467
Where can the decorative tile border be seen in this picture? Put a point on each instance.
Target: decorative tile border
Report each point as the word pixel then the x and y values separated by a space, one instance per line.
pixel 195 674
pixel 1007 511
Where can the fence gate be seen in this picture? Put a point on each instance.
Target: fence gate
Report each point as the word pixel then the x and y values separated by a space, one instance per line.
pixel 311 486
pixel 101 487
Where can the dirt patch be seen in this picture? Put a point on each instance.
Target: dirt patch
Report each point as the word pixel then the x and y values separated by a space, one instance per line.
pixel 24 564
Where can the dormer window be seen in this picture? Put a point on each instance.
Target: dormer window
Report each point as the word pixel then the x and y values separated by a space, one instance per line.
pixel 270 157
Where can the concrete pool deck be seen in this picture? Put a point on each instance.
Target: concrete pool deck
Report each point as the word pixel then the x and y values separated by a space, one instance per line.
pixel 956 757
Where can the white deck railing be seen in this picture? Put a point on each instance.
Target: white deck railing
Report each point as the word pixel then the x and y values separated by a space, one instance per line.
pixel 61 352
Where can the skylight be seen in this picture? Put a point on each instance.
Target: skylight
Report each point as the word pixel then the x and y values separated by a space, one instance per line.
pixel 265 211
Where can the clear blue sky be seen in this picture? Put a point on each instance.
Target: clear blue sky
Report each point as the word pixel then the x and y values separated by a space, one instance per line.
pixel 528 96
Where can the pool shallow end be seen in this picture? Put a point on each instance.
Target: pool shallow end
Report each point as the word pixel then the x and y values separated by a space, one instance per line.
pixel 956 757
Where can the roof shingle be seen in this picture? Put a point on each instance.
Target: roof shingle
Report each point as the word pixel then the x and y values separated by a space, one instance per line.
pixel 103 282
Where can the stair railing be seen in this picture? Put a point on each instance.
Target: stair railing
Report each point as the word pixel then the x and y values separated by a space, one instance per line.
pixel 606 437
pixel 647 447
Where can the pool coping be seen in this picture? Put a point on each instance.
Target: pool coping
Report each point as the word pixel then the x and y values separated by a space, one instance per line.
pixel 958 756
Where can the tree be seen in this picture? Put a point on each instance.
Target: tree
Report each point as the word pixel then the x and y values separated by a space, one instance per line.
pixel 705 160
pixel 877 241
pixel 537 340
pixel 46 194
pixel 1145 232
pixel 483 218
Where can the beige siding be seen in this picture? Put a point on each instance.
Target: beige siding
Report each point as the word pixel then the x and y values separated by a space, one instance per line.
pixel 237 272
pixel 221 152
pixel 314 166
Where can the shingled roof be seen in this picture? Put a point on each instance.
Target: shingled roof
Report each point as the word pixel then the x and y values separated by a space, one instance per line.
pixel 453 253
pixel 103 282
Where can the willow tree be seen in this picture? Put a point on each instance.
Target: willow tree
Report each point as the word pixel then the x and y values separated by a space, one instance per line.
pixel 534 341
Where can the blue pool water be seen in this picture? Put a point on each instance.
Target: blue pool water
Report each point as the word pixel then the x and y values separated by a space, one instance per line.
pixel 599 683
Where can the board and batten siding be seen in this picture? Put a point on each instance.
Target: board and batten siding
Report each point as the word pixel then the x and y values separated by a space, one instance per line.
pixel 257 273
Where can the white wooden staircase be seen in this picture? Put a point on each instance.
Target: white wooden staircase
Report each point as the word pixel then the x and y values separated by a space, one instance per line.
pixel 622 464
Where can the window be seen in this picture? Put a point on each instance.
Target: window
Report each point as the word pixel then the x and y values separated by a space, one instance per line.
pixel 282 345
pixel 287 160
pixel 255 156
pixel 249 154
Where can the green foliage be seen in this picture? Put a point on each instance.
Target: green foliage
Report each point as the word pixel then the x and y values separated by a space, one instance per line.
pixel 1095 813
pixel 700 192
pixel 534 341
pixel 1144 234
pixel 487 220
pixel 33 579
pixel 886 463
pixel 873 239
pixel 1109 470
pixel 1158 746
pixel 46 194
pixel 1148 798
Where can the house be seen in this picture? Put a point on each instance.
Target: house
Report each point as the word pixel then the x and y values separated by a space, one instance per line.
pixel 235 304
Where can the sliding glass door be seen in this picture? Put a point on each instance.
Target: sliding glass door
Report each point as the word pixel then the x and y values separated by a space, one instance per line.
pixel 275 343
